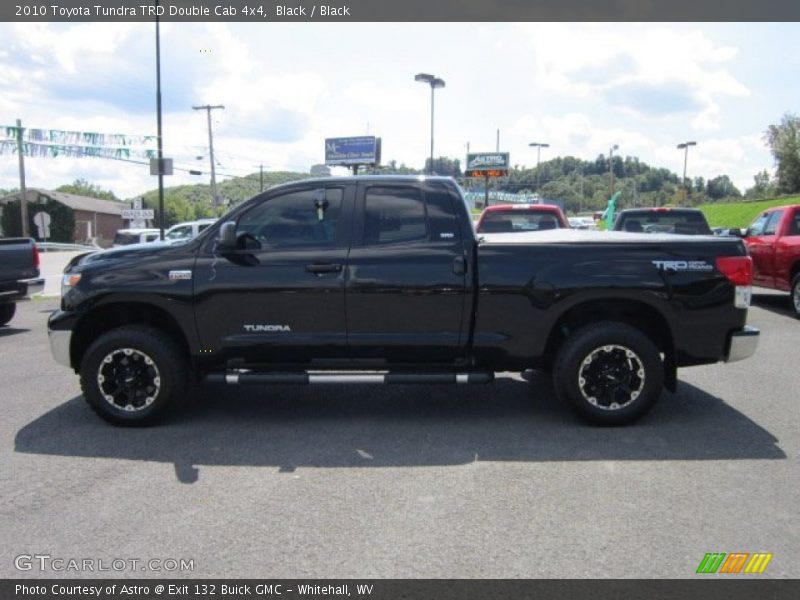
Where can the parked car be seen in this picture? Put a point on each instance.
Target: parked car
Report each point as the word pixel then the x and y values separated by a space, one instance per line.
pixel 582 223
pixel 515 218
pixel 125 237
pixel 19 274
pixel 687 221
pixel 726 231
pixel 188 230
pixel 381 279
pixel 773 240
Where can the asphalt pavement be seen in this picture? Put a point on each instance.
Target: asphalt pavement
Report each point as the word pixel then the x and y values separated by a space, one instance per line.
pixel 489 481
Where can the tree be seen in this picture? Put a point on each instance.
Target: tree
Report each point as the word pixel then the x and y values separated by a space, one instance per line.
pixel 699 185
pixel 82 187
pixel 444 166
pixel 62 221
pixel 720 187
pixel 784 143
pixel 763 187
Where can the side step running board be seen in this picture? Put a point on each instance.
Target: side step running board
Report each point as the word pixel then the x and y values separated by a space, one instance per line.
pixel 256 378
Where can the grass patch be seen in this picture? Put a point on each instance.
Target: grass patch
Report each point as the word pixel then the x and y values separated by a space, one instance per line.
pixel 740 214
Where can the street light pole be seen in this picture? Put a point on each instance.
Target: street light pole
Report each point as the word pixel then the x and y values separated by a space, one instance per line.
pixel 685 147
pixel 538 146
pixel 611 165
pixel 434 82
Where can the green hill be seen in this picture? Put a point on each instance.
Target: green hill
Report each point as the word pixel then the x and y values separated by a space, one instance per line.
pixel 740 214
pixel 190 202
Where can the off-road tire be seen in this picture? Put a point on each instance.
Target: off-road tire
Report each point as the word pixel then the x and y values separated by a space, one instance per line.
pixel 610 373
pixel 132 375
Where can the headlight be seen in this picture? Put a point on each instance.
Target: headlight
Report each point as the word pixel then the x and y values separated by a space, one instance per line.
pixel 69 281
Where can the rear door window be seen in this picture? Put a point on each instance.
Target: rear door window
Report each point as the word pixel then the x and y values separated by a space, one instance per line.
pixel 794 224
pixel 442 219
pixel 394 215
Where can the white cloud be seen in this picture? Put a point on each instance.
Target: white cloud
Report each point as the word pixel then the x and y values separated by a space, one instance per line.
pixel 686 68
pixel 582 88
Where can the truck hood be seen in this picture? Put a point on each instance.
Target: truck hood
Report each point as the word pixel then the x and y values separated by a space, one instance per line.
pixel 131 250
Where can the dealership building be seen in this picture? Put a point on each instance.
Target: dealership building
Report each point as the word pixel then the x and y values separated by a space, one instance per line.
pixel 94 218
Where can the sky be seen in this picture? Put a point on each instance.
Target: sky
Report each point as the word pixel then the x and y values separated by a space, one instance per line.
pixel 287 86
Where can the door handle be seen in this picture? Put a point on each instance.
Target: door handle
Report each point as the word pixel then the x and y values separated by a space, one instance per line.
pixel 319 268
pixel 459 265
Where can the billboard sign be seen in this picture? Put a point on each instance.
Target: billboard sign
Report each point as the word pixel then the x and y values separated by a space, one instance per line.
pixel 487 164
pixel 364 150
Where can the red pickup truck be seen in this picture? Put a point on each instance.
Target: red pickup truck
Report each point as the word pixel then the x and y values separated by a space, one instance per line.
pixel 774 243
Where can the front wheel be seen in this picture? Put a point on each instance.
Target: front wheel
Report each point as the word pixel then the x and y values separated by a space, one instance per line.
pixel 796 295
pixel 132 375
pixel 609 372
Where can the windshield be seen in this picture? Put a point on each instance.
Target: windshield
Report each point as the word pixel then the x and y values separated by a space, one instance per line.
pixel 669 221
pixel 505 221
pixel 124 238
pixel 180 233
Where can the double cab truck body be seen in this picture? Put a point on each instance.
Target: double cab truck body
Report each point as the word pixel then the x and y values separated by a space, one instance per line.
pixel 19 274
pixel 383 280
pixel 774 243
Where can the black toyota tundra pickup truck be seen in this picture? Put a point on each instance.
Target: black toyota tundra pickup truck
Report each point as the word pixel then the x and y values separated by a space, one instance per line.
pixel 383 280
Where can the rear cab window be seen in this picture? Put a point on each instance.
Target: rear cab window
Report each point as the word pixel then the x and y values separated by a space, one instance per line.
pixel 505 221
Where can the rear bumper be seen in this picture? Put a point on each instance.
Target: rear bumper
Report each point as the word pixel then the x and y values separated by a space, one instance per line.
pixel 22 289
pixel 742 344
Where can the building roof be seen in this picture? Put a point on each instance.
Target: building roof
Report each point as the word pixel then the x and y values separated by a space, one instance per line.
pixel 75 202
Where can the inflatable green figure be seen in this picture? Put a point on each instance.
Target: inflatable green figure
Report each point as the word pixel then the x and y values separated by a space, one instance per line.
pixel 611 211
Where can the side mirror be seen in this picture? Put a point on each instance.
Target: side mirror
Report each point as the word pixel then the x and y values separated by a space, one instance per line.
pixel 226 240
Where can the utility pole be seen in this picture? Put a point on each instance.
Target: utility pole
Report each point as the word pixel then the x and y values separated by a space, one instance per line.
pixel 208 108
pixel 261 176
pixel 497 148
pixel 160 132
pixel 23 199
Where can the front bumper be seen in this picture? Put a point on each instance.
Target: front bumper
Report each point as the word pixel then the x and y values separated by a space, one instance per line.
pixel 742 344
pixel 59 345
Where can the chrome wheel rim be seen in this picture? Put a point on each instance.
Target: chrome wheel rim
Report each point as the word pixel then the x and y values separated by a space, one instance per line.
pixel 128 379
pixel 611 377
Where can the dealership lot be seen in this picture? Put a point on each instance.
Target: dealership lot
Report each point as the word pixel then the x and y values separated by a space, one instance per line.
pixel 484 481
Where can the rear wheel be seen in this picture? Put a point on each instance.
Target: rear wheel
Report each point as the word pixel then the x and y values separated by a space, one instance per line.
pixel 132 375
pixel 7 312
pixel 796 295
pixel 610 373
